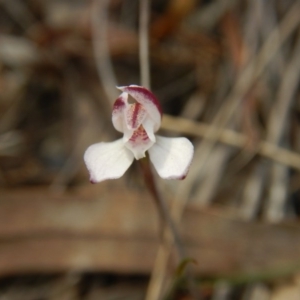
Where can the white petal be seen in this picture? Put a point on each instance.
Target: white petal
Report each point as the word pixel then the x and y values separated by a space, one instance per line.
pixel 134 116
pixel 147 99
pixel 149 125
pixel 127 134
pixel 107 160
pixel 171 157
pixel 139 143
pixel 118 113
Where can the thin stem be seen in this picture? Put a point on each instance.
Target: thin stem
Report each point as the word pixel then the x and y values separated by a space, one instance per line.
pixel 145 164
pixel 166 218
pixel 144 43
pixel 161 205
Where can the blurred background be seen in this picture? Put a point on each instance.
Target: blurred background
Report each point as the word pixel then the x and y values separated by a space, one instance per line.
pixel 227 74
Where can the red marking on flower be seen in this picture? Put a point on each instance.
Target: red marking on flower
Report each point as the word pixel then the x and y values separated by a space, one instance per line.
pixel 140 133
pixel 135 115
pixel 136 109
pixel 119 103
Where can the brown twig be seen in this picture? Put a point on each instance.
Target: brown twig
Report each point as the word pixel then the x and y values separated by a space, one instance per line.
pixel 234 139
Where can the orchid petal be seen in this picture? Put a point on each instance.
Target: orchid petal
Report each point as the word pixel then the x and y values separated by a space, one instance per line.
pixel 147 99
pixel 107 160
pixel 119 109
pixel 171 157
pixel 127 134
pixel 135 115
pixel 139 143
pixel 149 125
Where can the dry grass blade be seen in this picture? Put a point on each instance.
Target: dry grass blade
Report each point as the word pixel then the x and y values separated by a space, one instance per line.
pixel 274 209
pixel 101 52
pixel 246 79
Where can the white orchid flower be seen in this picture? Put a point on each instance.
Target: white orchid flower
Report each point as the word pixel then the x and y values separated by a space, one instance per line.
pixel 138 122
